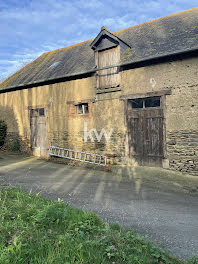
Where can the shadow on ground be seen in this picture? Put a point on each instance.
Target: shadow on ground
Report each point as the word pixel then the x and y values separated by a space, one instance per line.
pixel 159 204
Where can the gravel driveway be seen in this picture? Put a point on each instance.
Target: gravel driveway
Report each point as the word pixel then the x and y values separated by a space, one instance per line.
pixel 168 218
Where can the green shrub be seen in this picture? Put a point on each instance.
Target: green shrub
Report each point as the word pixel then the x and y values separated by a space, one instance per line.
pixel 13 144
pixel 3 132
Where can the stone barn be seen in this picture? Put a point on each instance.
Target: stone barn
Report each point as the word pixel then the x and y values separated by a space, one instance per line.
pixel 138 85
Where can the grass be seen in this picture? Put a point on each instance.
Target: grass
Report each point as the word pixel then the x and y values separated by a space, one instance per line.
pixel 36 230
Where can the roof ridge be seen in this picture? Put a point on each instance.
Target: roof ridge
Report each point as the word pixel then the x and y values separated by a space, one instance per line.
pixel 153 20
pixel 115 32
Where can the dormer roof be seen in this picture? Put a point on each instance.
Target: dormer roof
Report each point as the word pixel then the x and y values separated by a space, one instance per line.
pixel 105 39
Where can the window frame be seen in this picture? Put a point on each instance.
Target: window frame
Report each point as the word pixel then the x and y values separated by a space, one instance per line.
pixel 35 112
pixel 84 111
pixel 143 102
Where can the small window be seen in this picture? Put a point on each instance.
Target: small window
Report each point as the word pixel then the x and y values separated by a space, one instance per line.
pixel 137 103
pixel 37 112
pixel 41 112
pixel 152 102
pixel 145 102
pixel 34 112
pixel 82 109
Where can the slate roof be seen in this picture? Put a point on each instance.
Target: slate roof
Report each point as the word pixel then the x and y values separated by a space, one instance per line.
pixel 166 35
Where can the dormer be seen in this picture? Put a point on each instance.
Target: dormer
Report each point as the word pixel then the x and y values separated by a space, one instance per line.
pixel 107 48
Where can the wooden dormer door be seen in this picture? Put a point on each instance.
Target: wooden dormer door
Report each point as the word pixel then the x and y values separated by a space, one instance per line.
pixel 108 78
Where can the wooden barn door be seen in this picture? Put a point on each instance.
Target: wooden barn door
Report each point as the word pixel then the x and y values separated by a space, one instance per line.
pixel 38 132
pixel 145 131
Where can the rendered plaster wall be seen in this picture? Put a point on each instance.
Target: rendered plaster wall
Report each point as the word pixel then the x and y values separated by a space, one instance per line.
pixel 106 111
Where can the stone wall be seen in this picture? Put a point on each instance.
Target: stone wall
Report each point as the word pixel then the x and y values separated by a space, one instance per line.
pixel 182 124
pixel 182 148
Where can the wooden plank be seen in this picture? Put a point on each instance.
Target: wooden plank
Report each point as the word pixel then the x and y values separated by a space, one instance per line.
pixel 38 134
pixel 108 90
pixel 143 95
pixel 34 132
pixel 153 136
pixel 108 77
pixel 42 135
pixel 81 102
pixel 135 137
pixel 145 134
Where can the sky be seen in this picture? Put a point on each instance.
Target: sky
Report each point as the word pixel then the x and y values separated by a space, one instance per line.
pixel 30 27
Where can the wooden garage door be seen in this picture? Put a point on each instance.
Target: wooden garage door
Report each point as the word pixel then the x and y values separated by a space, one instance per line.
pixel 145 130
